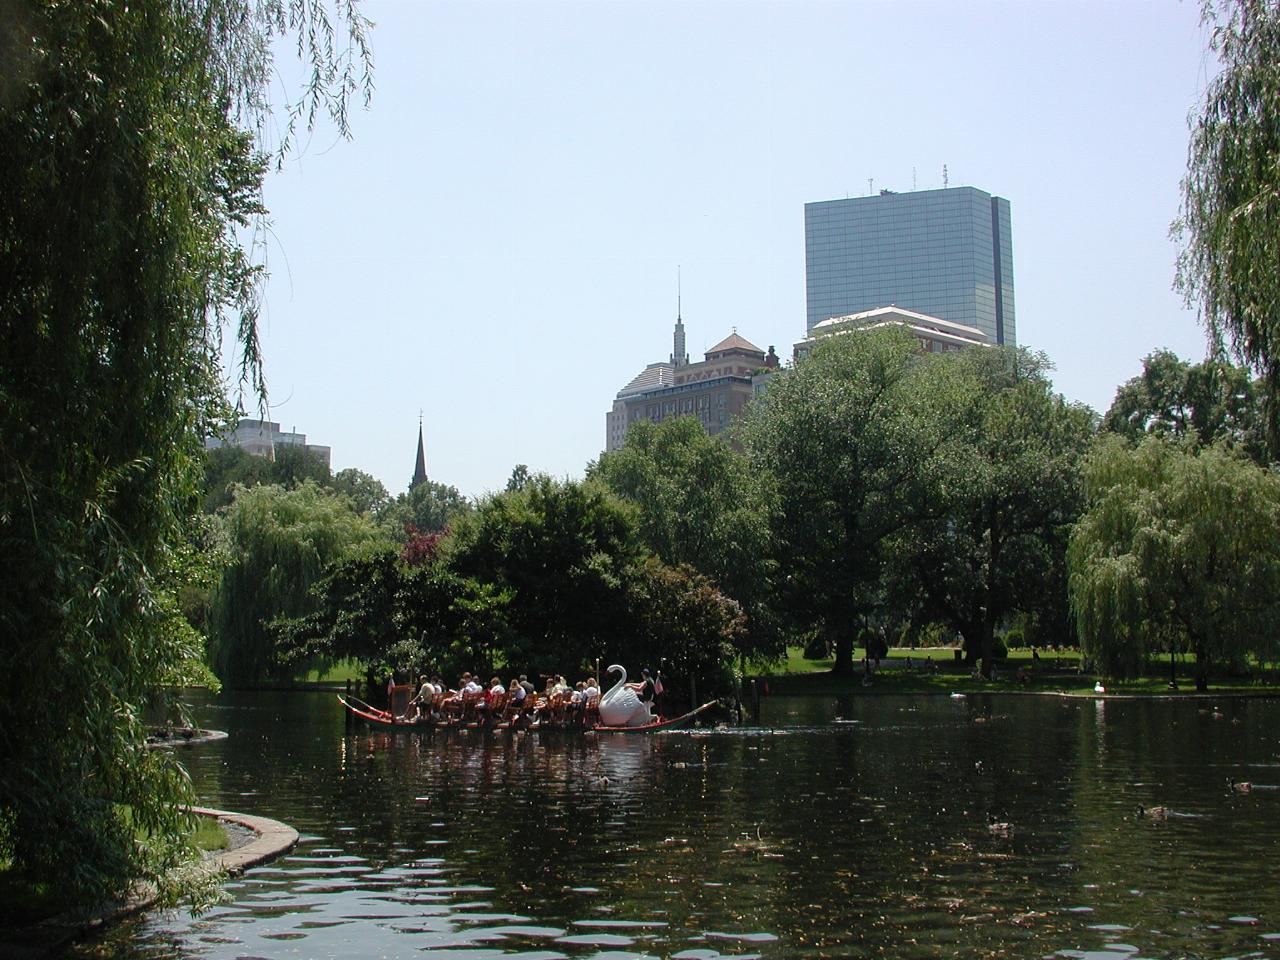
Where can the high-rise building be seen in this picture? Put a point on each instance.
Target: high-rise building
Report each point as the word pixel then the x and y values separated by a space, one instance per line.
pixel 944 253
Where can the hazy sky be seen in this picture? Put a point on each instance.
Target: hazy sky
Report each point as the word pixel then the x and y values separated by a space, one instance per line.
pixel 498 244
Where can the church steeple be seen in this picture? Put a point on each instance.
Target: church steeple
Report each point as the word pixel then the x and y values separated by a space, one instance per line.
pixel 678 356
pixel 420 468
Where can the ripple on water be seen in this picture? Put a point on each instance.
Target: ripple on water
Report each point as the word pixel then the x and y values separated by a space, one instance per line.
pixel 744 937
pixel 597 940
pixel 454 953
pixel 522 930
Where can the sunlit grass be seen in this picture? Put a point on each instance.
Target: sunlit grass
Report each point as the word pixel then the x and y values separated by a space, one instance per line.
pixel 936 670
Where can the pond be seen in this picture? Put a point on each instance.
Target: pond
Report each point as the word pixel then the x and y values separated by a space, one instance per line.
pixel 840 828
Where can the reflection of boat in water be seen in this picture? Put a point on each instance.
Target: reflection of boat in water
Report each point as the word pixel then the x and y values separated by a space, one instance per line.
pixel 385 720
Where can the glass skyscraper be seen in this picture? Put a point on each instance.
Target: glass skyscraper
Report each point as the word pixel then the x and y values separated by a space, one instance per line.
pixel 946 253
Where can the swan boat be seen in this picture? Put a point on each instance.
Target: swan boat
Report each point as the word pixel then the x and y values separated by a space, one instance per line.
pixel 620 710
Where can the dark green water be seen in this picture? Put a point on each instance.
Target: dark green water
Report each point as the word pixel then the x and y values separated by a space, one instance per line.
pixel 865 837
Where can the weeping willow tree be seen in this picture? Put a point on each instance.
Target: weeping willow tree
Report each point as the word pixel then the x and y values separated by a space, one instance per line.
pixel 130 140
pixel 281 542
pixel 1176 552
pixel 1229 224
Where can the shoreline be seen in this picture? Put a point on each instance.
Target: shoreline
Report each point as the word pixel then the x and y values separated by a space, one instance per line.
pixel 252 840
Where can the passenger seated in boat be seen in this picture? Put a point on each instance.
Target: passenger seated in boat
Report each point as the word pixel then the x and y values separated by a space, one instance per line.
pixel 494 698
pixel 455 700
pixel 644 688
pixel 558 704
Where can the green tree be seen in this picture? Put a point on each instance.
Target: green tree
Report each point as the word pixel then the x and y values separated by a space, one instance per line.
pixel 1208 401
pixel 1229 224
pixel 681 623
pixel 366 492
pixel 281 542
pixel 295 465
pixel 701 504
pixel 845 435
pixel 564 551
pixel 374 608
pixel 519 477
pixel 429 508
pixel 226 466
pixel 997 507
pixel 126 181
pixel 1176 551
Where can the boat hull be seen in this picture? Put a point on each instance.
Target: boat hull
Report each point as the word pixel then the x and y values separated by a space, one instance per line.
pixel 675 723
pixel 382 720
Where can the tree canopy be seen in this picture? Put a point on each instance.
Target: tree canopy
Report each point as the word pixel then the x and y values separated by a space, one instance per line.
pixel 1208 401
pixel 1175 552
pixel 989 535
pixel 282 542
pixel 1229 224
pixel 565 550
pixel 844 435
pixel 428 507
pixel 127 141
pixel 701 504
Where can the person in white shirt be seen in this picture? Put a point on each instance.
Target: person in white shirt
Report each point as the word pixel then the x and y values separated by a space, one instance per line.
pixel 422 702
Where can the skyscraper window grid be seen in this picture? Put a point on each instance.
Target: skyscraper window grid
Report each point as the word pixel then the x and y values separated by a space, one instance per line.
pixel 937 252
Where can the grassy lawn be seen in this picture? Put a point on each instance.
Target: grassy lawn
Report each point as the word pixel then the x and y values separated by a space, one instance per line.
pixel 1054 673
pixel 337 673
pixel 210 834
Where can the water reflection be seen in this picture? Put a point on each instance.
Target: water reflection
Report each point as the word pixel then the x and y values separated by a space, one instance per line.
pixel 804 838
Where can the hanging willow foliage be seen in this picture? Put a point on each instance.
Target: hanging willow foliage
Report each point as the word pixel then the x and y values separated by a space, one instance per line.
pixel 1229 224
pixel 1176 552
pixel 128 141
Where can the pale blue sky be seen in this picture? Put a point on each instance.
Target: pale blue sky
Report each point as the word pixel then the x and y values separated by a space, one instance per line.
pixel 498 244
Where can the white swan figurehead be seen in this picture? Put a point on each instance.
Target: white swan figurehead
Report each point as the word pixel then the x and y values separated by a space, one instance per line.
pixel 622 706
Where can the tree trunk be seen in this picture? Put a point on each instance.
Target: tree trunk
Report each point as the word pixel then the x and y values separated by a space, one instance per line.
pixel 1202 672
pixel 844 636
pixel 986 640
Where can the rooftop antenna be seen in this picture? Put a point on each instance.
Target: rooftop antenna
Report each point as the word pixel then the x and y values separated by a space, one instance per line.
pixel 913 179
pixel 678 291
pixel 870 191
pixel 945 179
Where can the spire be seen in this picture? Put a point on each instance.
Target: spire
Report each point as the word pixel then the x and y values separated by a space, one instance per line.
pixel 678 357
pixel 420 468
